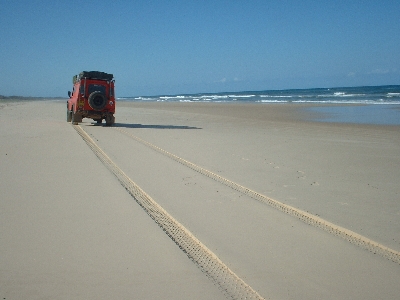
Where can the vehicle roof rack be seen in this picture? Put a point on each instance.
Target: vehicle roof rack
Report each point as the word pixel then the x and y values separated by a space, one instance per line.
pixel 96 75
pixel 93 75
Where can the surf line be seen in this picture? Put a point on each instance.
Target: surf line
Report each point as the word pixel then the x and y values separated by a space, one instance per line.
pixel 227 281
pixel 346 234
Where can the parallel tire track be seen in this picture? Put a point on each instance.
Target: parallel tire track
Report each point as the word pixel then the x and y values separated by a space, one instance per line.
pixel 346 234
pixel 232 286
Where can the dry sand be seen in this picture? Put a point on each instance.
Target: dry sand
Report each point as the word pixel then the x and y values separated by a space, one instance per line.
pixel 70 230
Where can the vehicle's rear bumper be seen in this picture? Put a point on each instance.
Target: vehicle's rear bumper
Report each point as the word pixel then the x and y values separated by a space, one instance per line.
pixel 96 115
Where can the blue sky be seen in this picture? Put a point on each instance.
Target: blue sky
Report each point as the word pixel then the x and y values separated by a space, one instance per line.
pixel 174 47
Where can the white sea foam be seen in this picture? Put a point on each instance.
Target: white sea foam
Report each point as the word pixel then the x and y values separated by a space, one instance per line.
pixel 275 96
pixel 272 101
pixel 241 96
pixel 215 96
pixel 339 95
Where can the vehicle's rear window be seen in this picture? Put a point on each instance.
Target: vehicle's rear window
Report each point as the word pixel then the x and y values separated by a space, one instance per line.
pixel 97 88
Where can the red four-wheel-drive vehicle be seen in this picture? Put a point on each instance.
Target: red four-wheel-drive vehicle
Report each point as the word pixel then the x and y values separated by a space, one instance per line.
pixel 92 97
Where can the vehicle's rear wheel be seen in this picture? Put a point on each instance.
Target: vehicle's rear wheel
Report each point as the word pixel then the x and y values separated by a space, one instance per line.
pixel 73 118
pixel 110 120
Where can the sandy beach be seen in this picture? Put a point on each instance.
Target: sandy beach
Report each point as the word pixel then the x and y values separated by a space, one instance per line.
pixel 70 228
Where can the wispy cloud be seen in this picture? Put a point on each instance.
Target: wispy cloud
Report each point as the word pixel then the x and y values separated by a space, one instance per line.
pixel 379 71
pixel 373 72
pixel 224 80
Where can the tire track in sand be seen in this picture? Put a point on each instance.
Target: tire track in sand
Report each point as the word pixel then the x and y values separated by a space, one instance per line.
pixel 346 234
pixel 230 284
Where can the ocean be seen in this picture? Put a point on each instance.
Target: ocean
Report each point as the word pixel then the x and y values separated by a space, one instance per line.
pixel 389 94
pixel 378 104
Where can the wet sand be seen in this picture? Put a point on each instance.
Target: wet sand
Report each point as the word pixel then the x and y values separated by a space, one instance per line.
pixel 69 229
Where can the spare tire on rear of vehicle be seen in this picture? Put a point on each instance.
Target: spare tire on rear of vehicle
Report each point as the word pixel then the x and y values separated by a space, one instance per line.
pixel 97 100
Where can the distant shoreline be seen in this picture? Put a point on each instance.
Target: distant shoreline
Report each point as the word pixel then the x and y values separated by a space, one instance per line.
pixel 21 98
